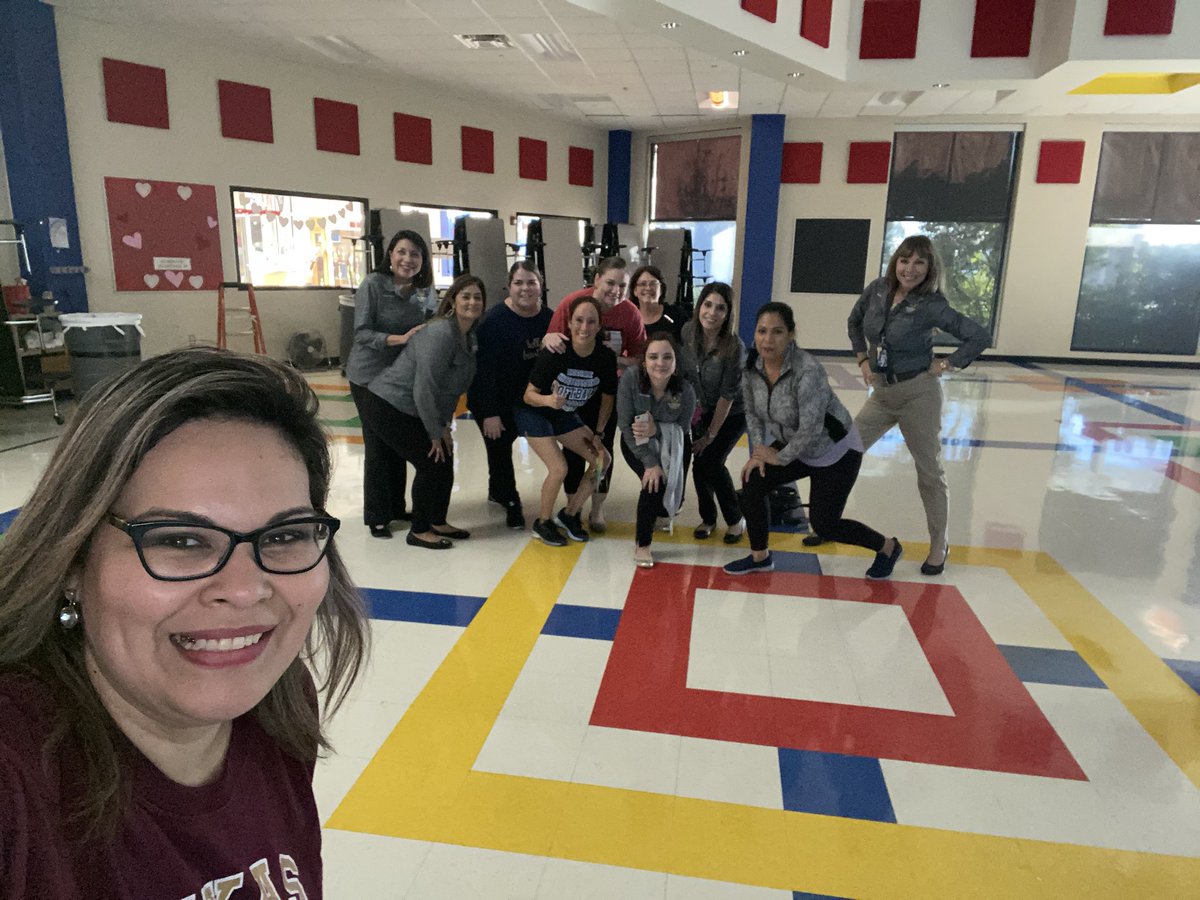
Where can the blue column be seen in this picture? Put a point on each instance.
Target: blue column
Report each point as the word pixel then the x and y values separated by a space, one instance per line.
pixel 620 158
pixel 33 120
pixel 762 219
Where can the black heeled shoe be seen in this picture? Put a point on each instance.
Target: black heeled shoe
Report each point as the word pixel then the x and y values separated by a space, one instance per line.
pixel 927 568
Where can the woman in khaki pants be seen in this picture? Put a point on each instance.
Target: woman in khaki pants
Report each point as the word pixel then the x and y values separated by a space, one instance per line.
pixel 891 330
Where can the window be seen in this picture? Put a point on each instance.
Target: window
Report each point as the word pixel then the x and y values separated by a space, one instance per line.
pixel 441 234
pixel 1140 289
pixel 956 188
pixel 290 240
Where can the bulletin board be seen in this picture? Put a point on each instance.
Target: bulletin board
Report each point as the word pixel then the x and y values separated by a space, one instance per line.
pixel 164 235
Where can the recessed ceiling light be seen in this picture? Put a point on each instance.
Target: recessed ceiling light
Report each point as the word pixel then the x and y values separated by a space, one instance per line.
pixel 670 25
pixel 740 52
pixel 795 74
pixel 942 84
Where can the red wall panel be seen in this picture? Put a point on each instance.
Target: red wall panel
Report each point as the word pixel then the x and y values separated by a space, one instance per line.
pixel 413 136
pixel 336 125
pixel 135 94
pixel 531 161
pixel 580 165
pixel 1060 162
pixel 868 162
pixel 1002 28
pixel 802 162
pixel 1140 17
pixel 478 150
pixel 815 19
pixel 764 9
pixel 245 112
pixel 889 29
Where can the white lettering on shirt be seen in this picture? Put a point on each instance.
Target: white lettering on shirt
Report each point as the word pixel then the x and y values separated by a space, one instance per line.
pixel 261 870
pixel 577 385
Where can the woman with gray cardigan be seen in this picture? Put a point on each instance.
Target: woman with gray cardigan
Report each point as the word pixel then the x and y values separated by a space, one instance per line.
pixel 415 398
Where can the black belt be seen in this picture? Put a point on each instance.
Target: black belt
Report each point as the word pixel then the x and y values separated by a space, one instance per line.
pixel 897 377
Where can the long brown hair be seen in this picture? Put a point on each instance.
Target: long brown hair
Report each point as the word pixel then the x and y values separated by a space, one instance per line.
pixel 916 245
pixel 727 342
pixel 109 436
pixel 445 309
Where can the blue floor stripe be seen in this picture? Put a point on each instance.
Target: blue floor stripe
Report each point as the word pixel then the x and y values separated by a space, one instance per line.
pixel 1043 666
pixel 418 606
pixel 592 622
pixel 1188 670
pixel 804 895
pixel 1085 385
pixel 832 784
pixel 804 563
pixel 6 519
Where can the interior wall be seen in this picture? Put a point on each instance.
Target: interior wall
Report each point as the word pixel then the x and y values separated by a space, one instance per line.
pixel 1046 243
pixel 193 150
pixel 9 268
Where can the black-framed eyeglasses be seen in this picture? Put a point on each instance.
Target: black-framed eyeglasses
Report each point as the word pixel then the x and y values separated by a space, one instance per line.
pixel 184 551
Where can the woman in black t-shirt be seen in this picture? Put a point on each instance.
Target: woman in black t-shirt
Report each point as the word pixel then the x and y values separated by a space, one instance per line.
pixel 559 384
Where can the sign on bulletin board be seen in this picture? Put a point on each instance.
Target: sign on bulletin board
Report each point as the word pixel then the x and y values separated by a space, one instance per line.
pixel 164 235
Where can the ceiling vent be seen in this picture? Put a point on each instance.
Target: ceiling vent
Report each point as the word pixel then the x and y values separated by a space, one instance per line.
pixel 485 41
pixel 338 48
pixel 547 48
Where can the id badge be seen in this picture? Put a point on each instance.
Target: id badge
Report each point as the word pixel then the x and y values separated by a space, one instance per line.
pixel 881 358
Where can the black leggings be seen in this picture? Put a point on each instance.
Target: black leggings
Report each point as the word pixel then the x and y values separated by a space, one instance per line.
pixel 827 499
pixel 576 464
pixel 406 437
pixel 710 475
pixel 385 478
pixel 650 503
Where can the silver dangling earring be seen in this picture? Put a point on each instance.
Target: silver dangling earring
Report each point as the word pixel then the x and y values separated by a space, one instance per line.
pixel 68 616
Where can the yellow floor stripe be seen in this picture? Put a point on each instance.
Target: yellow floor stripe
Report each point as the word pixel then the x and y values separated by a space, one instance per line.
pixel 420 785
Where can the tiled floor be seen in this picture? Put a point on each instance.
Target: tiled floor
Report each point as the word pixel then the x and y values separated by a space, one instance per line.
pixel 552 723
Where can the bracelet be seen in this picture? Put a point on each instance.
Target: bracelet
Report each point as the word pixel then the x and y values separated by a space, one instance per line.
pixel 864 360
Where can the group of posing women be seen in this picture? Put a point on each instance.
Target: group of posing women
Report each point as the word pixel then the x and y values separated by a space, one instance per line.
pixel 680 394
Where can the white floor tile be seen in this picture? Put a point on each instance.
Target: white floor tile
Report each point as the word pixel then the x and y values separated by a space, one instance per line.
pixel 369 865
pixel 564 878
pixel 533 748
pixel 639 761
pixel 729 772
pixel 450 872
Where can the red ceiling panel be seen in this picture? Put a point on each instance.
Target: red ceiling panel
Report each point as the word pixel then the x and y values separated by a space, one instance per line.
pixel 478 150
pixel 1140 17
pixel 764 9
pixel 868 162
pixel 337 126
pixel 413 136
pixel 1060 162
pixel 245 112
pixel 815 19
pixel 802 162
pixel 135 94
pixel 580 165
pixel 531 155
pixel 1002 28
pixel 889 29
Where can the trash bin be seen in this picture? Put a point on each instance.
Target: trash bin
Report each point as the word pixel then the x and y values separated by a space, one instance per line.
pixel 101 346
pixel 346 309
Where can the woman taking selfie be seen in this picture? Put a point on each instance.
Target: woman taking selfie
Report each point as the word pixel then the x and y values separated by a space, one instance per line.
pixel 654 413
pixel 559 385
pixel 163 596
pixel 799 429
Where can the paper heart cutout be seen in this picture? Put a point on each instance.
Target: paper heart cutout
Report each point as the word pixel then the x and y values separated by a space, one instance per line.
pixel 133 240
pixel 176 278
pixel 284 221
pixel 151 280
pixel 184 191
pixel 212 223
pixel 143 188
pixel 196 280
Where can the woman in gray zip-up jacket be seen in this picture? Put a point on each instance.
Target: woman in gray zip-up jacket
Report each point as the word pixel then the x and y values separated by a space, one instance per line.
pixel 414 401
pixel 799 429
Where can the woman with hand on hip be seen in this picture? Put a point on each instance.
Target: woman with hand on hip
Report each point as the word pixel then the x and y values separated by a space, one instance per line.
pixel 799 429
pixel 560 384
pixel 390 306
pixel 715 357
pixel 891 330
pixel 415 400
pixel 654 412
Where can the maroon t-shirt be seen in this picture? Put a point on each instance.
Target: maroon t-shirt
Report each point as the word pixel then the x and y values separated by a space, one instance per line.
pixel 254 829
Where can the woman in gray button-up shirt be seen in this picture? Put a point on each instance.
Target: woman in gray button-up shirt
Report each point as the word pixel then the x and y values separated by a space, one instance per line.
pixel 891 330
pixel 390 306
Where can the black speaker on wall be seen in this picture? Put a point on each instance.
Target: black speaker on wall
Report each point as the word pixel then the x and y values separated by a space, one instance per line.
pixel 829 256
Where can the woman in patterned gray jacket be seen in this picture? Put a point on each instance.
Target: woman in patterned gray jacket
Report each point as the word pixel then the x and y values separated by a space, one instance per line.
pixel 799 429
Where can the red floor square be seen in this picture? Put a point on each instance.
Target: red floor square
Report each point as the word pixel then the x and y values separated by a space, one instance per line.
pixel 996 723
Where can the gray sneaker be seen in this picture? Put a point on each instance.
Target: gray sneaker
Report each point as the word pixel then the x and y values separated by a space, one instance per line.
pixel 572 525
pixel 548 533
pixel 747 564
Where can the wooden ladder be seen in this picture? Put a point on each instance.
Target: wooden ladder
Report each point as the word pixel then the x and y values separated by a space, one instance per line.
pixel 250 310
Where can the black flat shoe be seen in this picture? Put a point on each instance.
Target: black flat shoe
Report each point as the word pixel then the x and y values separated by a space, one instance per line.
pixel 381 531
pixel 454 533
pixel 813 540
pixel 885 563
pixel 440 544
pixel 928 568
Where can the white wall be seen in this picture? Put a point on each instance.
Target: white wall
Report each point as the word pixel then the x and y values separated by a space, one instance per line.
pixel 193 150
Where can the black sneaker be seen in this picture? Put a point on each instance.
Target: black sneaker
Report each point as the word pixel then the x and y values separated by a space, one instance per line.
pixel 747 564
pixel 547 532
pixel 514 516
pixel 572 525
pixel 884 564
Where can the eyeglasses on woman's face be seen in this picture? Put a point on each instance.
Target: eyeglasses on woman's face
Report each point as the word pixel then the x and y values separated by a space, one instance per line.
pixel 184 551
